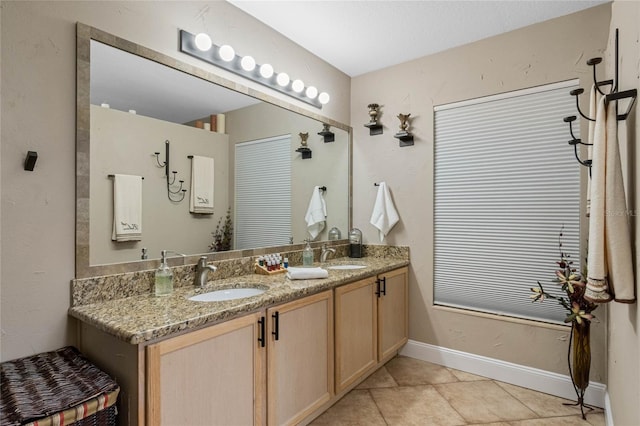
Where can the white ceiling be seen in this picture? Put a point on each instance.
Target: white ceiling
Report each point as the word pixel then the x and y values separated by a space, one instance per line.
pixel 362 36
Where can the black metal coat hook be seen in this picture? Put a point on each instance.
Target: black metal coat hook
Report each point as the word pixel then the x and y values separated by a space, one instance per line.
pixel 323 188
pixel 174 195
pixel 612 96
pixel 577 141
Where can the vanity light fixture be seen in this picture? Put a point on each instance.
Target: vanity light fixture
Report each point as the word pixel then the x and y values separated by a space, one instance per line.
pixel 203 42
pixel 324 98
pixel 297 86
pixel 311 92
pixel 248 63
pixel 226 53
pixel 266 70
pixel 200 46
pixel 283 79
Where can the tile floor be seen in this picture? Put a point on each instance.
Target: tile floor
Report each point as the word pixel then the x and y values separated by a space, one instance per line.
pixel 407 391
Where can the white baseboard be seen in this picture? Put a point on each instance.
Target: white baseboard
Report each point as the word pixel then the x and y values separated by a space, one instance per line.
pixel 608 414
pixel 520 375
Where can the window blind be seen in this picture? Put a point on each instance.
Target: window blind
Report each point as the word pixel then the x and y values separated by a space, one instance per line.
pixel 263 192
pixel 506 182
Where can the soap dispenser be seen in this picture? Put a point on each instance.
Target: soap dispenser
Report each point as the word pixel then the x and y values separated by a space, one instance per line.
pixel 355 243
pixel 164 277
pixel 307 255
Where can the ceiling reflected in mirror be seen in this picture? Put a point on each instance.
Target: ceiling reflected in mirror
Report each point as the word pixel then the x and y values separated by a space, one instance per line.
pixel 128 82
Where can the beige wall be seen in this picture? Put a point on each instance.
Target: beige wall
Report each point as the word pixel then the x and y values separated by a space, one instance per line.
pixel 38 113
pixel 544 53
pixel 623 367
pixel 124 143
pixel 328 166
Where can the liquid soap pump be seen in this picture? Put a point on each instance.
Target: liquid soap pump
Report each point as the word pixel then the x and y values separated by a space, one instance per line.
pixel 355 243
pixel 307 255
pixel 164 277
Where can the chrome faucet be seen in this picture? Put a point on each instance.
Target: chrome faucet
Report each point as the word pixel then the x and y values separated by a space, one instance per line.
pixel 202 272
pixel 325 252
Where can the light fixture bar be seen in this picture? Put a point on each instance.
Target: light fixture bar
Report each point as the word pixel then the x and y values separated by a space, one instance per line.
pixel 212 56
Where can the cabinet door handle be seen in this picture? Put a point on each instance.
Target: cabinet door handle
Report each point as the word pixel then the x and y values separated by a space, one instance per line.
pixel 261 338
pixel 378 287
pixel 276 325
pixel 384 286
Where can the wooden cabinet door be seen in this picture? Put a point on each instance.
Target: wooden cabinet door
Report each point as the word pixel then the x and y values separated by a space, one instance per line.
pixel 212 376
pixel 300 353
pixel 393 312
pixel 356 328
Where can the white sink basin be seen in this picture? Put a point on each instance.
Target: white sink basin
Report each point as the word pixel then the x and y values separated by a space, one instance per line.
pixel 346 267
pixel 227 294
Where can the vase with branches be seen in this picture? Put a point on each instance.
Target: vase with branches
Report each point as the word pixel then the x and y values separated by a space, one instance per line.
pixel 573 284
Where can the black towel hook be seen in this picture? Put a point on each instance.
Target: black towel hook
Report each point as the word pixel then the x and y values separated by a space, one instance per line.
pixel 577 141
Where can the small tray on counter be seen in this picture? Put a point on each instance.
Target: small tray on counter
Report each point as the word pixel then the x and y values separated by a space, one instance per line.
pixel 262 270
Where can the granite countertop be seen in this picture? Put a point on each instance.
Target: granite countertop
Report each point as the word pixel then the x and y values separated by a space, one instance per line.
pixel 144 318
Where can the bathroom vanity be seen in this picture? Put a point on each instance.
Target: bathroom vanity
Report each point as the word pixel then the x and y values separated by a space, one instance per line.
pixel 282 357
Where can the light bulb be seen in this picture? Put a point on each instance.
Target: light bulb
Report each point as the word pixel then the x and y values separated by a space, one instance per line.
pixel 266 70
pixel 297 86
pixel 226 53
pixel 203 42
pixel 324 98
pixel 248 63
pixel 311 92
pixel 283 79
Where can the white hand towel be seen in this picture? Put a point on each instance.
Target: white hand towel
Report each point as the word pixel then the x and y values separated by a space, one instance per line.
pixel 384 215
pixel 201 199
pixel 127 208
pixel 294 273
pixel 610 271
pixel 316 213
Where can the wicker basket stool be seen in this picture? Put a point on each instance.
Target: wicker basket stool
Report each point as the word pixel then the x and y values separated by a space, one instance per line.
pixel 56 388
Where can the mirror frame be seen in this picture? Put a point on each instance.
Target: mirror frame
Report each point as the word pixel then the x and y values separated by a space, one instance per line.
pixel 84 35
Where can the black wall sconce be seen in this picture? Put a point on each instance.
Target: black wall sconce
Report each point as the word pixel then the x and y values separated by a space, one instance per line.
pixel 304 149
pixel 174 195
pixel 375 128
pixel 406 138
pixel 30 160
pixel 327 134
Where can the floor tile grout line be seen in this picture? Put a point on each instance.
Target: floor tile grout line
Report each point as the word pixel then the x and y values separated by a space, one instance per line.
pixel 497 382
pixel 384 419
pixel 466 422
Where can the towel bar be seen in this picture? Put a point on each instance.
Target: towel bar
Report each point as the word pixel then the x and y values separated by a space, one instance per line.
pixel 112 176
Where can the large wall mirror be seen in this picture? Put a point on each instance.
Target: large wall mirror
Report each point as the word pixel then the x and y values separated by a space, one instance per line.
pixel 131 100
